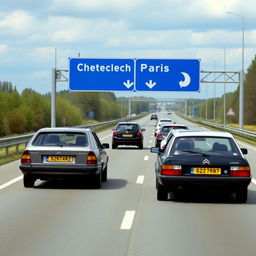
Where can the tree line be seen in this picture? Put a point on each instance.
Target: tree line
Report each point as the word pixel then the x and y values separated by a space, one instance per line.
pixel 29 110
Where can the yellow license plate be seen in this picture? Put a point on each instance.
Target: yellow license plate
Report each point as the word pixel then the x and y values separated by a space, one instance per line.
pixel 127 135
pixel 60 158
pixel 206 171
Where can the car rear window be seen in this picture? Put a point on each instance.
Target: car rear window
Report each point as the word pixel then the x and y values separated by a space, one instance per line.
pixel 67 139
pixel 168 128
pixel 215 145
pixel 125 127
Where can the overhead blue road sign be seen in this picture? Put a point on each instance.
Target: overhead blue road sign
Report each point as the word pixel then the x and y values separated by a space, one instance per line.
pixel 101 74
pixel 167 75
pixel 120 74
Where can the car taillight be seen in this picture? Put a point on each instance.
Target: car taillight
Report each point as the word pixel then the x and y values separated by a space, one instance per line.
pixel 91 158
pixel 240 171
pixel 114 133
pixel 139 134
pixel 25 158
pixel 159 135
pixel 171 170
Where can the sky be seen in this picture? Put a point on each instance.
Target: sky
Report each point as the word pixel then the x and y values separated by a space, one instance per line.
pixel 31 32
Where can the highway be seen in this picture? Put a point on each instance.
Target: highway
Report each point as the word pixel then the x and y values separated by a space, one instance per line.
pixel 123 218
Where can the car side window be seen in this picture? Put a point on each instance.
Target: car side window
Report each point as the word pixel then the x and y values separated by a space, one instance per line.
pixel 97 140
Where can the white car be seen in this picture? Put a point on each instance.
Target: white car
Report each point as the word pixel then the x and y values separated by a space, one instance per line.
pixel 166 138
pixel 161 122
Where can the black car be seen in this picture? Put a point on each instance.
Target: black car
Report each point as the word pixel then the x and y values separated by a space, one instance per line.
pixel 127 133
pixel 153 117
pixel 202 159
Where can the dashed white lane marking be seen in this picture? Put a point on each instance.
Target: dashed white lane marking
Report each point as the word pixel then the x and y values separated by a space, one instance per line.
pixel 11 182
pixel 253 181
pixel 140 179
pixel 106 137
pixel 146 158
pixel 150 141
pixel 127 220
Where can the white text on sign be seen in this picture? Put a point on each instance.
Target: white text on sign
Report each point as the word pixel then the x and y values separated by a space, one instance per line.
pixel 154 68
pixel 83 67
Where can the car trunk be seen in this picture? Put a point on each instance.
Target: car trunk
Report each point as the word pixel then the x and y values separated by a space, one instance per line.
pixel 58 155
pixel 215 165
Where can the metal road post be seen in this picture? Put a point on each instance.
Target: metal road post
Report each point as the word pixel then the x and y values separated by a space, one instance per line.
pixel 241 100
pixel 129 103
pixel 241 91
pixel 53 99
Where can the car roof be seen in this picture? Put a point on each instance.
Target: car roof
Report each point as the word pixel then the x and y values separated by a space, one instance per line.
pixel 64 129
pixel 202 133
pixel 162 119
pixel 173 125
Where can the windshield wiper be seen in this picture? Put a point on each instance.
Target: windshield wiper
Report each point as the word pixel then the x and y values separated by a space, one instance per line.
pixel 196 152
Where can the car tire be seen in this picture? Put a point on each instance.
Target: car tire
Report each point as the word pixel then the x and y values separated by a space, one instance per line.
pixel 97 180
pixel 104 174
pixel 140 146
pixel 114 146
pixel 28 181
pixel 241 195
pixel 162 193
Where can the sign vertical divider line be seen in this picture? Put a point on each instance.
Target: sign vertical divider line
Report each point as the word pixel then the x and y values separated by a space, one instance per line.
pixel 134 89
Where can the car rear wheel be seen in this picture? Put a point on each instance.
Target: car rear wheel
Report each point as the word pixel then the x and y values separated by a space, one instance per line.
pixel 28 181
pixel 104 175
pixel 140 146
pixel 114 146
pixel 162 193
pixel 97 180
pixel 241 195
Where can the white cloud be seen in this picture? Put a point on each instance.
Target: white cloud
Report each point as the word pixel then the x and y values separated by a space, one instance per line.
pixel 18 22
pixel 97 5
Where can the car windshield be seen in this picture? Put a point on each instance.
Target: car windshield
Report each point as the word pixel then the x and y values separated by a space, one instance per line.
pixel 207 145
pixel 67 139
pixel 127 127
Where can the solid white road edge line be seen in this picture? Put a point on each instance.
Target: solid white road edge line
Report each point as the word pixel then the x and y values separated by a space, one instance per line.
pixel 127 220
pixel 146 158
pixel 11 182
pixel 140 179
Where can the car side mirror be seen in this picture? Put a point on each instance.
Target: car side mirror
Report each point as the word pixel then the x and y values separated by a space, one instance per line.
pixel 154 150
pixel 105 145
pixel 244 151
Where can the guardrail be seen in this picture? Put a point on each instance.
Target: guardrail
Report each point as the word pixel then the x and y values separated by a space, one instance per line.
pixel 236 131
pixel 16 141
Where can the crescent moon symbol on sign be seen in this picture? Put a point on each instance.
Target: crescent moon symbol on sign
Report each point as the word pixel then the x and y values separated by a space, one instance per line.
pixel 186 80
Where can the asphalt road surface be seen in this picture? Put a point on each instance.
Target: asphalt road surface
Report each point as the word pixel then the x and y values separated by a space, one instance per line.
pixel 123 217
